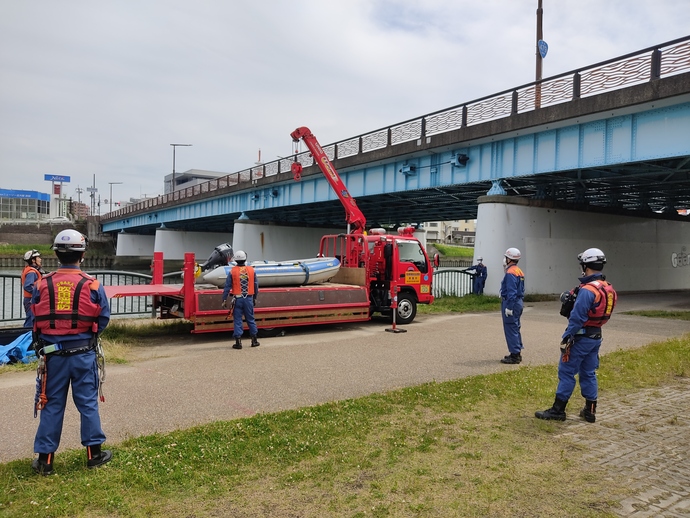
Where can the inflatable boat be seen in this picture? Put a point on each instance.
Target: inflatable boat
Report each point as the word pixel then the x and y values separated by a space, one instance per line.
pixel 297 272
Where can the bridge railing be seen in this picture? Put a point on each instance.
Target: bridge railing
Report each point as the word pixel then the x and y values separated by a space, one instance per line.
pixel 649 64
pixel 12 294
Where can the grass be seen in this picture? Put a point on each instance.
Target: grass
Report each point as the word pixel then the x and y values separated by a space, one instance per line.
pixel 459 448
pixel 454 251
pixel 20 250
pixel 677 315
pixel 467 447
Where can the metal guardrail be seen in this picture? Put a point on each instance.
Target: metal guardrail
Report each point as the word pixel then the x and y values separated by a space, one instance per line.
pixel 12 293
pixel 652 63
pixel 451 282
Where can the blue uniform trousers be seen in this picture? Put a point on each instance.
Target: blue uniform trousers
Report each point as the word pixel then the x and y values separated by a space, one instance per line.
pixel 81 371
pixel 511 327
pixel 584 361
pixel 244 306
pixel 478 285
pixel 29 321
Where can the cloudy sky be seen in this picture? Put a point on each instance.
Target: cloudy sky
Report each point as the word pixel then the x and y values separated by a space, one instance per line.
pixel 103 88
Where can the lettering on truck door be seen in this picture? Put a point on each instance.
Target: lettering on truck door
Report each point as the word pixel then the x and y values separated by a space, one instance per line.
pixel 413 265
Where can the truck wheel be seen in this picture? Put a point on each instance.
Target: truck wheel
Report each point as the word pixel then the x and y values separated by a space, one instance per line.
pixel 407 309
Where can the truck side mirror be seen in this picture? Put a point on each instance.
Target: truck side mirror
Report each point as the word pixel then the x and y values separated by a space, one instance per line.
pixel 437 260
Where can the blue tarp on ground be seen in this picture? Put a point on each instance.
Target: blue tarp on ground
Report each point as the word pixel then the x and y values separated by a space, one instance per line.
pixel 17 351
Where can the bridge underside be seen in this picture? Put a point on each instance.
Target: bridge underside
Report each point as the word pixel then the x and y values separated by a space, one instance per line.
pixel 639 188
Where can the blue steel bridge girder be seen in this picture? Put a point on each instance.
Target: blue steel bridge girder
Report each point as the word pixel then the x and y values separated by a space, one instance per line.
pixel 632 161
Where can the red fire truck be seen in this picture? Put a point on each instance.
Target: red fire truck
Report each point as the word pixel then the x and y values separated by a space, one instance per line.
pixel 383 273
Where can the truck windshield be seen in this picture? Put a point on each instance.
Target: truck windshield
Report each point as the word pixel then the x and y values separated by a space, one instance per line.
pixel 411 252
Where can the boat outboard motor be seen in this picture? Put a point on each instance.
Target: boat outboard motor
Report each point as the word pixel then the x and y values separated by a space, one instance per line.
pixel 221 256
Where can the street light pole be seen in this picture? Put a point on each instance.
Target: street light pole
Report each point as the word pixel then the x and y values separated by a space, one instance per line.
pixel 174 146
pixel 111 193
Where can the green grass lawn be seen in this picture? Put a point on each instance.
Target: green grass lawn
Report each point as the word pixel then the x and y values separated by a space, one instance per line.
pixel 455 251
pixel 468 447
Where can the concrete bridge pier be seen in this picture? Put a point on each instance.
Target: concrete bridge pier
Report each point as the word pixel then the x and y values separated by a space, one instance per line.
pixel 173 243
pixel 271 242
pixel 643 253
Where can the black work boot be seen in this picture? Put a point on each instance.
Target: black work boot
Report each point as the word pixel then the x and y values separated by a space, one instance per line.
pixel 255 342
pixel 97 457
pixel 589 412
pixel 555 413
pixel 237 344
pixel 512 358
pixel 43 465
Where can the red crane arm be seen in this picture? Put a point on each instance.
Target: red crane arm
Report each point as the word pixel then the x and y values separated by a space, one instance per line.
pixel 353 215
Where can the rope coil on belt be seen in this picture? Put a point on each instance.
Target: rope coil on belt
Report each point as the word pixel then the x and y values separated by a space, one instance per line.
pixel 100 362
pixel 41 377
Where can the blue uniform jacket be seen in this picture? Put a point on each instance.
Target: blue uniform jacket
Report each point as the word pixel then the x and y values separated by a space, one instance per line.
pixel 513 287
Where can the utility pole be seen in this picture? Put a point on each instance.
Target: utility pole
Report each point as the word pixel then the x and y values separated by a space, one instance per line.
pixel 93 192
pixel 540 37
pixel 111 193
pixel 174 146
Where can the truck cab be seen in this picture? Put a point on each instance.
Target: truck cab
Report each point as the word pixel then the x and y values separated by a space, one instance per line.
pixel 395 269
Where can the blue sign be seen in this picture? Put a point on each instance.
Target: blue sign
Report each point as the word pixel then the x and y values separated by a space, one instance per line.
pixel 543 48
pixel 10 193
pixel 55 178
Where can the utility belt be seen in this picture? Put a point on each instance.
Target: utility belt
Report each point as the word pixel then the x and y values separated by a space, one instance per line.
pixel 590 332
pixel 69 348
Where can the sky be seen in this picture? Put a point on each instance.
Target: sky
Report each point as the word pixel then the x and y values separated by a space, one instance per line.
pixel 103 88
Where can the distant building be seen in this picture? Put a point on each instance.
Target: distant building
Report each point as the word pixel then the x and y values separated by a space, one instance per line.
pixel 17 205
pixel 79 210
pixel 458 232
pixel 189 179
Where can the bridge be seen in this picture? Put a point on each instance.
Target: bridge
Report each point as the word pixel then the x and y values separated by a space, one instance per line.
pixel 612 138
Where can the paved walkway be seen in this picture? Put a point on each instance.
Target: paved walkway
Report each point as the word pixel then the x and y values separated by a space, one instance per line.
pixel 644 437
pixel 199 379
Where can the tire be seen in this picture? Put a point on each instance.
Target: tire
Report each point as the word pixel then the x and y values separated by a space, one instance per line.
pixel 270 332
pixel 407 309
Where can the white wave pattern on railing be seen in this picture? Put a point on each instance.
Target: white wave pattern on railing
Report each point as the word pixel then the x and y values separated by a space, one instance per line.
pixel 675 59
pixel 628 71
pixel 445 121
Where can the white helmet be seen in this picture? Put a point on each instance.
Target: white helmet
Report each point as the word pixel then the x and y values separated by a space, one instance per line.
pixel 70 240
pixel 513 254
pixel 592 258
pixel 31 254
pixel 480 259
pixel 240 255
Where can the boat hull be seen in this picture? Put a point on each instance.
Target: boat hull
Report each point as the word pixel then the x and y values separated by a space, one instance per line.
pixel 280 273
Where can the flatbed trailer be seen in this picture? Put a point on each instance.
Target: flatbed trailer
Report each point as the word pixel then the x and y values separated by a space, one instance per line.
pixel 344 299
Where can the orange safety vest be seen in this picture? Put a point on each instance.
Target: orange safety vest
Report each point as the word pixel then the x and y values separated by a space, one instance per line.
pixel 237 273
pixel 28 268
pixel 65 307
pixel 605 298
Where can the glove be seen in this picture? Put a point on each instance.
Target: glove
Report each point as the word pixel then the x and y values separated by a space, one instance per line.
pixel 566 344
pixel 254 300
pixel 509 312
pixel 223 305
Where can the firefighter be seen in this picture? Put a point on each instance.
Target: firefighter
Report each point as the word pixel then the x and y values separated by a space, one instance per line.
pixel 71 309
pixel 588 307
pixel 512 294
pixel 479 278
pixel 243 285
pixel 33 271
